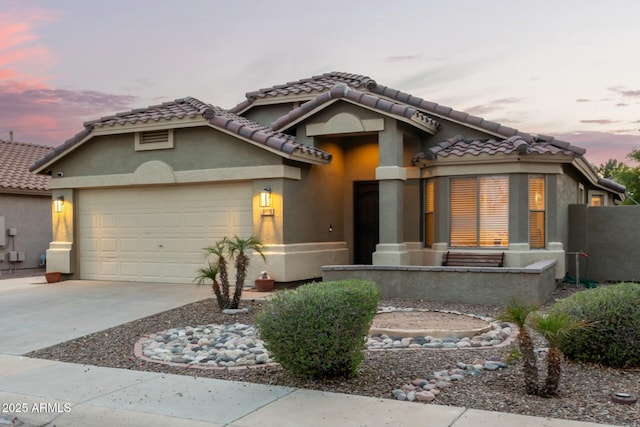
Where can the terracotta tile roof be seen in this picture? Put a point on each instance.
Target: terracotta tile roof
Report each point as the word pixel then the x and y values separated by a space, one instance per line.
pixel 459 146
pixel 342 90
pixel 478 122
pixel 191 108
pixel 15 158
pixel 264 135
pixel 311 86
pixel 181 108
pixel 314 85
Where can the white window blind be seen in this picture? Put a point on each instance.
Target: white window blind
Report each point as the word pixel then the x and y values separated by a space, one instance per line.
pixel 537 209
pixel 479 212
pixel 429 209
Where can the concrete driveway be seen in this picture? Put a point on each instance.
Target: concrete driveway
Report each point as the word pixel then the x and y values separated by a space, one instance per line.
pixel 35 314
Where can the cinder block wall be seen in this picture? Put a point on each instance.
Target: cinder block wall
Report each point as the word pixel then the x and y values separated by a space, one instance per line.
pixel 610 236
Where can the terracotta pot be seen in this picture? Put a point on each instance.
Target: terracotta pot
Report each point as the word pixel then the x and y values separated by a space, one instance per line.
pixel 264 285
pixel 52 276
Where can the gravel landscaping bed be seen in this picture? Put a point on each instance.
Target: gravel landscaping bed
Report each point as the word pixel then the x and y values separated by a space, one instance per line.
pixel 585 390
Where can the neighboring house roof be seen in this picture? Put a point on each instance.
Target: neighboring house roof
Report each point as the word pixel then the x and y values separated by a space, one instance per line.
pixel 192 108
pixel 15 158
pixel 458 146
pixel 366 100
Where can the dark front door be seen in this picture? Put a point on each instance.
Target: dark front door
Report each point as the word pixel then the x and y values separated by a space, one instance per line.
pixel 366 221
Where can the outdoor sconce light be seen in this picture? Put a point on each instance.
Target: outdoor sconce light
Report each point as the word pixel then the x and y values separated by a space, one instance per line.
pixel 265 202
pixel 58 204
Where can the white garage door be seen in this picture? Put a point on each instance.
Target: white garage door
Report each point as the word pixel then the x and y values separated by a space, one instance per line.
pixel 157 234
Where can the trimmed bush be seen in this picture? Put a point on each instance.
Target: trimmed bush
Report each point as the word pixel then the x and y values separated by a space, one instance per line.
pixel 613 338
pixel 319 329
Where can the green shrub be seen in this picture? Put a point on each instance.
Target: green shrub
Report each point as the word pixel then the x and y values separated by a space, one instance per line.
pixel 319 329
pixel 613 338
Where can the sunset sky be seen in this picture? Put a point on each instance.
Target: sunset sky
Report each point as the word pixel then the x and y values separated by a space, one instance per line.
pixel 565 68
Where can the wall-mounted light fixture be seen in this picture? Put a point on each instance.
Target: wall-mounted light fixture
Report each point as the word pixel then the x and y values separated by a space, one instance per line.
pixel 58 204
pixel 265 202
pixel 265 198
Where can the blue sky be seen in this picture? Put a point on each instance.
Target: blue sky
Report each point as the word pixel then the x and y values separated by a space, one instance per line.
pixel 568 69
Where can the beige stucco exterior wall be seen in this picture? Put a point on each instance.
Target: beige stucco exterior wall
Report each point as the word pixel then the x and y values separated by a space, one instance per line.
pixel 195 149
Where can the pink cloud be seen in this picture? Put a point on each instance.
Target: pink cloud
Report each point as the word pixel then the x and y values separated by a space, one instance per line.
pixel 43 115
pixel 29 106
pixel 602 146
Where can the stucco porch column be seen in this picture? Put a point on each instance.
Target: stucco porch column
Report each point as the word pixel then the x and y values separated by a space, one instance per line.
pixel 61 252
pixel 391 176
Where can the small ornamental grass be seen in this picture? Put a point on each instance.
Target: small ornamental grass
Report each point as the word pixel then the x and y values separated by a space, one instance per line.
pixel 319 329
pixel 614 336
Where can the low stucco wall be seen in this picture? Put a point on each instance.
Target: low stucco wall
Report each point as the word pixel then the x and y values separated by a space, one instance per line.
pixel 472 285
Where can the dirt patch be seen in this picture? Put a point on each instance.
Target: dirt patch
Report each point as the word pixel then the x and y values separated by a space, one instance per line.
pixel 426 320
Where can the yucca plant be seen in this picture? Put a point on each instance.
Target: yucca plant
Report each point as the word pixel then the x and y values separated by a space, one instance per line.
pixel 235 249
pixel 554 327
pixel 517 312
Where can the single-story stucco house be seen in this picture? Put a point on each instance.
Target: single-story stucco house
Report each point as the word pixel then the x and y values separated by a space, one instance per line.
pixel 335 169
pixel 25 207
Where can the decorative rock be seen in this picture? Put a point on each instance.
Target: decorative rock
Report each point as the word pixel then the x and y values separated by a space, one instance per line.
pixel 490 366
pixel 425 396
pixel 411 396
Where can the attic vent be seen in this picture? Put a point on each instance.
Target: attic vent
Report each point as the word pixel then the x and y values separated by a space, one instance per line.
pixel 154 140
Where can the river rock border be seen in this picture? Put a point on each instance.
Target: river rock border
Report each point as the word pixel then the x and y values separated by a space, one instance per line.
pixel 500 335
pixel 236 346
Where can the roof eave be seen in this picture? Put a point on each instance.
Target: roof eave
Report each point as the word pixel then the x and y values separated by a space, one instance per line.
pixel 295 155
pixel 25 191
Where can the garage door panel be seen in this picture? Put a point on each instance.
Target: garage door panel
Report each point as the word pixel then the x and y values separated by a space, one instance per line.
pixel 128 221
pixel 109 245
pixel 108 221
pixel 129 245
pixel 158 233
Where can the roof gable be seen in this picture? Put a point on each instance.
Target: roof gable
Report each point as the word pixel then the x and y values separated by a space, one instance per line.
pixel 170 114
pixel 343 92
pixel 15 158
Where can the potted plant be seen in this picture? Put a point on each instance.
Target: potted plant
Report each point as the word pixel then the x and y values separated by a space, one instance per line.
pixel 52 276
pixel 264 283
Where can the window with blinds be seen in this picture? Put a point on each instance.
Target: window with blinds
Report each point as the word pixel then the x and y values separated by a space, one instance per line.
pixel 479 211
pixel 537 208
pixel 429 207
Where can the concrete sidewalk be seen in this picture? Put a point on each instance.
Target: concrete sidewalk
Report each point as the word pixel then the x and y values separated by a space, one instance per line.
pixel 43 392
pixel 36 392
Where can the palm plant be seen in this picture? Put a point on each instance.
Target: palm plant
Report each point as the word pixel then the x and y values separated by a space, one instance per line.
pixel 234 249
pixel 237 249
pixel 219 250
pixel 517 313
pixel 210 272
pixel 554 327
